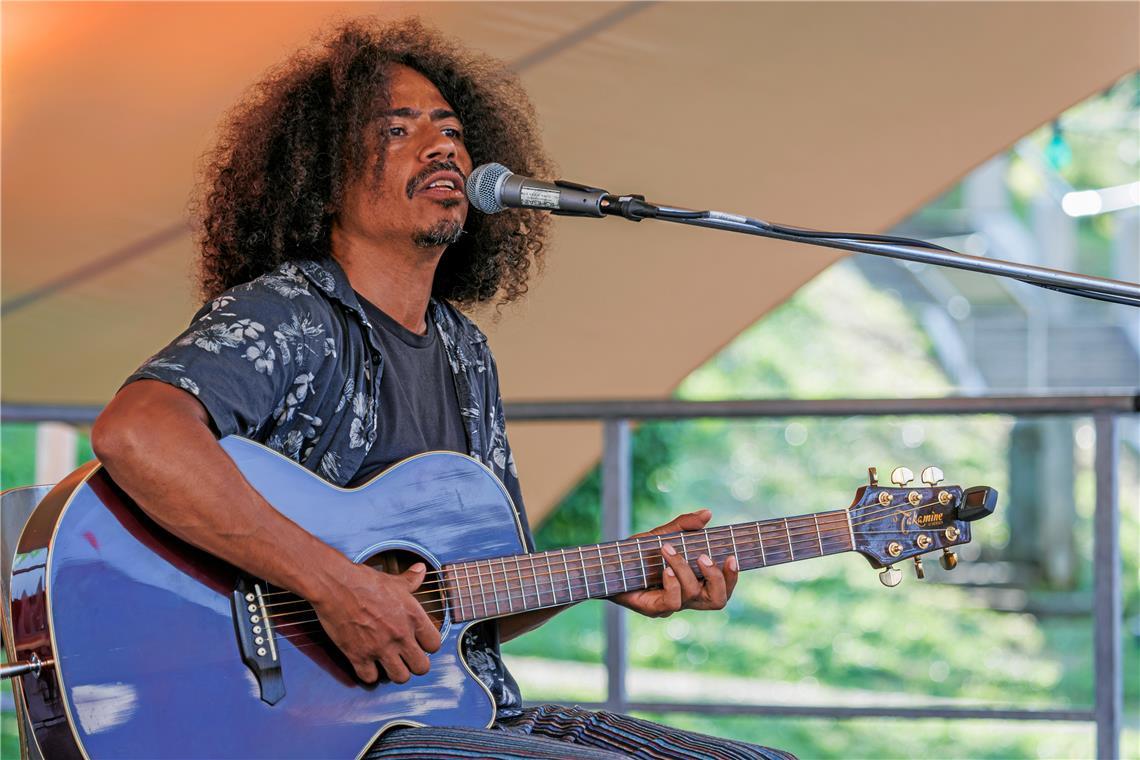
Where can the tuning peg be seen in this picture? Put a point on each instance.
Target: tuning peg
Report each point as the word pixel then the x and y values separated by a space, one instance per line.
pixel 873 476
pixel 900 476
pixel 918 571
pixel 948 560
pixel 932 475
pixel 890 577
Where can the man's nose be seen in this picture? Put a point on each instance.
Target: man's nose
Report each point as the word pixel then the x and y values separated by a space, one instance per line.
pixel 439 147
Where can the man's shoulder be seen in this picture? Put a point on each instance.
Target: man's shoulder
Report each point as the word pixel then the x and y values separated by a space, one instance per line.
pixel 301 288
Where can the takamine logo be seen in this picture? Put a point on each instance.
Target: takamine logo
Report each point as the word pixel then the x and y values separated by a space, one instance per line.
pixel 934 518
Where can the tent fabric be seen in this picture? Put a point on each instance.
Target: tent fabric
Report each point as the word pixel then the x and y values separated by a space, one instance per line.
pixel 843 115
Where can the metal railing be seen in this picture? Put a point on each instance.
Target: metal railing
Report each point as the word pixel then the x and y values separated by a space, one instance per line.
pixel 617 417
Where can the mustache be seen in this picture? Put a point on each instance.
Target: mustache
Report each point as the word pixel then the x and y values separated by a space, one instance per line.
pixel 430 169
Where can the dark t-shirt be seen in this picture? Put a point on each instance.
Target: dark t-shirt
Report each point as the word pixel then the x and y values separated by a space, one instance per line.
pixel 417 391
pixel 292 361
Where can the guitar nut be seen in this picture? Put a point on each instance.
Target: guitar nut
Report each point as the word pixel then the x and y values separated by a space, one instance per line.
pixel 923 541
pixel 952 533
pixel 885 499
pixel 943 498
pixel 913 498
pixel 894 548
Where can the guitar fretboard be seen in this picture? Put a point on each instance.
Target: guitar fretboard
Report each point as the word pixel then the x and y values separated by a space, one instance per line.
pixel 489 588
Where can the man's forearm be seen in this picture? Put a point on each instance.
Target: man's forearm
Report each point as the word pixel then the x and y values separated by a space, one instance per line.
pixel 158 447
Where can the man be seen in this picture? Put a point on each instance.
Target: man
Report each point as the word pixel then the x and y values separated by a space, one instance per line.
pixel 335 238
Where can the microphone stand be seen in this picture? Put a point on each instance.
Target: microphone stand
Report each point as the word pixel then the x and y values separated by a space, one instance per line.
pixel 636 208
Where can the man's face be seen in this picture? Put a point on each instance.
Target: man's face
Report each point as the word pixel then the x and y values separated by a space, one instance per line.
pixel 425 164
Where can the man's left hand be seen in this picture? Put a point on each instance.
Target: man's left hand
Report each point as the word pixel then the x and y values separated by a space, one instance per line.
pixel 682 589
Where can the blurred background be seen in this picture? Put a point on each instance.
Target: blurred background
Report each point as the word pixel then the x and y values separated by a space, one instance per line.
pixel 1002 130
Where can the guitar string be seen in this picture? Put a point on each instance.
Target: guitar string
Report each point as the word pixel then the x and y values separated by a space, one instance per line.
pixel 652 570
pixel 620 552
pixel 722 539
pixel 571 586
pixel 802 536
pixel 587 583
pixel 741 526
pixel 496 594
pixel 806 537
pixel 583 575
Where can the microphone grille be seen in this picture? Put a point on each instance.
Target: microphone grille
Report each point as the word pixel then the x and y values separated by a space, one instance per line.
pixel 483 187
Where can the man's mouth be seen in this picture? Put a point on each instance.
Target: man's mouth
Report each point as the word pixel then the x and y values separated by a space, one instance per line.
pixel 442 185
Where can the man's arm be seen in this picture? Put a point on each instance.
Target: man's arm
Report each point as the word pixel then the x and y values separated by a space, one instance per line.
pixel 155 441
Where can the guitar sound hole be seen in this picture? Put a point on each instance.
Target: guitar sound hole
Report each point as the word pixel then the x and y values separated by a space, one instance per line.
pixel 430 592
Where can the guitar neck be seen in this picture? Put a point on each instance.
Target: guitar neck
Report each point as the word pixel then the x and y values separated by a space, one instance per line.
pixel 490 588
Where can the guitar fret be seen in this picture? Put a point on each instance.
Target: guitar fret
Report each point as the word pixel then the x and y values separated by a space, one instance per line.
pixel 732 537
pixel 507 581
pixel 534 577
pixel 566 565
pixel 550 577
pixel 818 537
pixel 522 589
pixel 760 540
pixel 684 551
pixel 791 551
pixel 458 591
pixel 467 576
pixel 708 546
pixel 482 589
pixel 585 577
pixel 641 561
pixel 494 588
pixel 602 563
pixel 850 528
pixel 621 564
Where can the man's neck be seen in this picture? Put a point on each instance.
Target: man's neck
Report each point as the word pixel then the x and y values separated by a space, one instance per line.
pixel 396 278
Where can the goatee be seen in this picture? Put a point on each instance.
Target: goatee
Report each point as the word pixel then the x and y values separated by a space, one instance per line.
pixel 443 232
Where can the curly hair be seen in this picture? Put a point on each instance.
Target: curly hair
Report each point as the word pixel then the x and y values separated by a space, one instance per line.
pixel 276 178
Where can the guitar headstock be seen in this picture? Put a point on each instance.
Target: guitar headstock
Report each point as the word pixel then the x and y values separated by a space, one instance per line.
pixel 889 525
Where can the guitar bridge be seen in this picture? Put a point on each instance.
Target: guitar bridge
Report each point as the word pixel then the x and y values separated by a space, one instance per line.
pixel 256 640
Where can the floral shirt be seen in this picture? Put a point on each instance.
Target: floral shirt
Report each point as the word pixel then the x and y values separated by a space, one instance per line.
pixel 290 360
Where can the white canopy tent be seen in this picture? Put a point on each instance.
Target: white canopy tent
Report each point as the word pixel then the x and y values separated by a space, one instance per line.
pixel 843 116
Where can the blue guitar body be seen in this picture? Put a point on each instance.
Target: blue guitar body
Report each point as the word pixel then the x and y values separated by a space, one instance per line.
pixel 143 628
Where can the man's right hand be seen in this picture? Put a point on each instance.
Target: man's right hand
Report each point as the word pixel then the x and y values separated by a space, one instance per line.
pixel 373 617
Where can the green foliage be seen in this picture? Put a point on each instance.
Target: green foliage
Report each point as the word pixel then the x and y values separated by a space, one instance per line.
pixel 886 739
pixel 17 455
pixel 827 624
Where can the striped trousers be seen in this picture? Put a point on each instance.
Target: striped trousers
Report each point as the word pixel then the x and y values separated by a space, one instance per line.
pixel 554 732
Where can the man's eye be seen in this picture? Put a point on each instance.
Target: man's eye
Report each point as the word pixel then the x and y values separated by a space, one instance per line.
pixel 453 132
pixel 396 131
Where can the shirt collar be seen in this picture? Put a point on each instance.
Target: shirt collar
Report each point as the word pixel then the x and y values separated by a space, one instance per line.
pixel 330 278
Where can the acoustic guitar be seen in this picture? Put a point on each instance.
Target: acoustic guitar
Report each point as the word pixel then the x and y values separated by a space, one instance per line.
pixel 137 644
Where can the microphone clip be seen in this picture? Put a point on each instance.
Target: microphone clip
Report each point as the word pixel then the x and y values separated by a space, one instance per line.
pixel 632 207
pixel 568 185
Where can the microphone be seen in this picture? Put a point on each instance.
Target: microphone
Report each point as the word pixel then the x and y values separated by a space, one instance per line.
pixel 493 187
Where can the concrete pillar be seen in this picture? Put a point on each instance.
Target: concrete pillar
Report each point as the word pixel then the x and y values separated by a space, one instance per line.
pixel 56 445
pixel 1041 505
